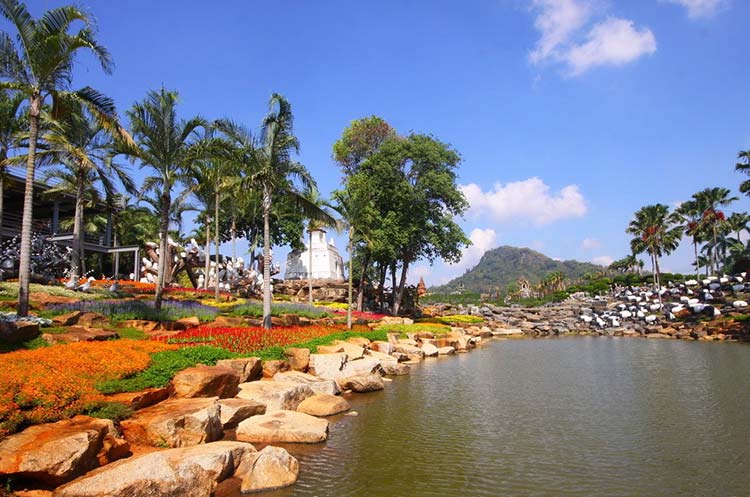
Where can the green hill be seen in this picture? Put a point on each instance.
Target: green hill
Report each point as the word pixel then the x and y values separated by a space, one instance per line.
pixel 504 265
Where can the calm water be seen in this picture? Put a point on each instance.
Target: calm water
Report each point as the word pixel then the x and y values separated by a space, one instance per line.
pixel 573 416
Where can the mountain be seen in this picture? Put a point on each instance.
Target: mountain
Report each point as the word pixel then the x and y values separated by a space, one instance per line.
pixel 504 265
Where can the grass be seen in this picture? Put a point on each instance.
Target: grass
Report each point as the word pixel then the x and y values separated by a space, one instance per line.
pixel 740 318
pixel 460 319
pixel 403 329
pixel 255 310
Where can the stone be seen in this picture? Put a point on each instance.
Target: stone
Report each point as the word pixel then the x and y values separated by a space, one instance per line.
pixel 395 368
pixel 289 320
pixel 391 320
pixel 175 423
pixel 55 453
pixel 181 472
pixel 18 331
pixel 270 368
pixel 317 385
pixel 206 381
pixel 330 349
pixel 92 319
pixel 139 400
pixel 337 366
pixel 233 411
pixel 283 427
pixel 658 335
pixel 80 334
pixel 408 349
pixel 299 358
pixel 269 469
pixel 226 322
pixel 141 324
pixel 247 368
pixel 363 383
pixel 67 319
pixel 323 405
pixel 361 341
pixel 382 347
pixel 352 351
pixel 429 350
pixel 446 350
pixel 275 395
pixel 191 322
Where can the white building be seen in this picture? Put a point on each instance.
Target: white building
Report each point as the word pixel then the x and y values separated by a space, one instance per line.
pixel 327 263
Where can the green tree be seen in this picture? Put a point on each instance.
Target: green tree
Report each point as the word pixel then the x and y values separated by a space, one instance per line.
pixel 84 148
pixel 713 219
pixel 359 141
pixel 39 65
pixel 163 145
pixel 743 165
pixel 690 215
pixel 11 125
pixel 656 232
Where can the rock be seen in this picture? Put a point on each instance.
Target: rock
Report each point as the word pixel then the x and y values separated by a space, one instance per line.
pixel 395 368
pixel 362 383
pixel 658 335
pixel 92 319
pixel 141 324
pixel 191 322
pixel 139 400
pixel 67 319
pixel 275 395
pixel 233 411
pixel 55 453
pixel 446 350
pixel 80 334
pixel 316 384
pixel 206 381
pixel 429 350
pixel 337 366
pixel 299 358
pixel 360 341
pixel 392 320
pixel 226 322
pixel 183 472
pixel 408 349
pixel 382 347
pixel 271 468
pixel 247 368
pixel 330 349
pixel 352 351
pixel 18 331
pixel 270 368
pixel 175 423
pixel 283 427
pixel 323 405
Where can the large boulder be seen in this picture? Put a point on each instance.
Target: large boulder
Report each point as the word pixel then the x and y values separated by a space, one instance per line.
pixel 271 468
pixel 55 453
pixel 352 351
pixel 283 427
pixel 338 366
pixel 191 472
pixel 176 423
pixel 382 347
pixel 67 319
pixel 429 350
pixel 298 357
pixel 92 319
pixel 233 411
pixel 317 385
pixel 323 405
pixel 271 368
pixel 363 383
pixel 18 331
pixel 275 395
pixel 206 381
pixel 139 400
pixel 247 368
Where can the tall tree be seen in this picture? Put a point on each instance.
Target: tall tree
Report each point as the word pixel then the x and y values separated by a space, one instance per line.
pixel 11 125
pixel 690 214
pixel 84 149
pixel 743 165
pixel 163 145
pixel 710 200
pixel 656 232
pixel 39 65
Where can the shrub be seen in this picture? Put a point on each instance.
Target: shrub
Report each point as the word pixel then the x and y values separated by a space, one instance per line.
pixel 255 310
pixel 436 328
pixel 116 411
pixel 460 319
pixel 123 310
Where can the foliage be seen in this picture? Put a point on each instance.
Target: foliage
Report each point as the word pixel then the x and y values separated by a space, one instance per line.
pixel 10 290
pixel 116 411
pixel 403 329
pixel 162 368
pixel 464 298
pixel 359 141
pixel 123 310
pixel 460 319
pixel 52 383
pixel 255 310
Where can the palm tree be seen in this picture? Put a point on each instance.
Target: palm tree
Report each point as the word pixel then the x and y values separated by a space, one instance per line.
pixel 39 65
pixel 655 231
pixel 691 214
pixel 11 125
pixel 709 200
pixel 738 222
pixel 744 166
pixel 163 144
pixel 84 148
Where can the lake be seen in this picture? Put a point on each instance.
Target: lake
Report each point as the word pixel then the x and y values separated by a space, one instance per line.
pixel 573 416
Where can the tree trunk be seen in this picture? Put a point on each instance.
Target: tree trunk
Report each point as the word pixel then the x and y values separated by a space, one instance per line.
pixel 208 251
pixel 401 287
pixel 3 158
pixel 714 255
pixel 77 230
pixel 24 268
pixel 309 266
pixel 266 258
pixel 383 269
pixel 697 266
pixel 393 286
pixel 350 248
pixel 361 290
pixel 657 278
pixel 163 248
pixel 216 241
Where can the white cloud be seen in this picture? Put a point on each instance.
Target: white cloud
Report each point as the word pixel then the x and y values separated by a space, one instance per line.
pixel 525 201
pixel 603 260
pixel 613 41
pixel 699 8
pixel 591 243
pixel 610 41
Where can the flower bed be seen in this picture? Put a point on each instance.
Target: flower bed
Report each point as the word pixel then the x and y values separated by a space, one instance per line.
pixel 121 310
pixel 368 316
pixel 52 383
pixel 255 310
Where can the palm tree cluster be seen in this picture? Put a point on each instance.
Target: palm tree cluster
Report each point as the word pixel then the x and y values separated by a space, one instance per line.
pixel 719 240
pixel 78 134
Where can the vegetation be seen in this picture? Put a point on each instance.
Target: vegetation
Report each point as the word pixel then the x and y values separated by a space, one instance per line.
pixel 404 329
pixel 255 310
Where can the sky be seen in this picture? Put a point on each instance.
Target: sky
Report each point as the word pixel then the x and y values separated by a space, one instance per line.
pixel 569 115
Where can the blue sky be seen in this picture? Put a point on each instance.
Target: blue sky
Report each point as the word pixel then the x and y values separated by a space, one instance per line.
pixel 569 114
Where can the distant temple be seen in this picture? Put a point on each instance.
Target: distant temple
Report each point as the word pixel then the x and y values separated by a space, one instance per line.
pixel 327 263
